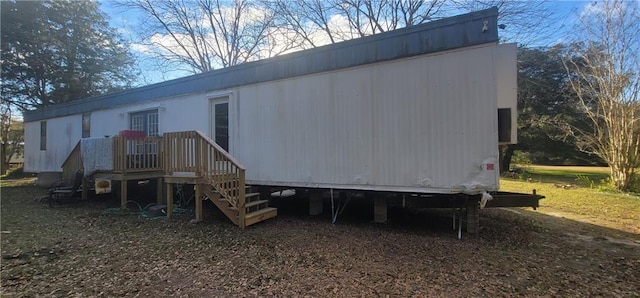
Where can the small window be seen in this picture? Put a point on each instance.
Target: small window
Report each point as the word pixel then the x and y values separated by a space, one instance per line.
pixel 86 125
pixel 43 135
pixel 504 125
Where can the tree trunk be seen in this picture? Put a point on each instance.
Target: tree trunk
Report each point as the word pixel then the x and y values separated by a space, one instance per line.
pixel 505 163
pixel 620 177
pixel 4 167
pixel 4 159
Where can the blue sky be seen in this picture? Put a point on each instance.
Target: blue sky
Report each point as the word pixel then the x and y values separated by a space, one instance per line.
pixel 567 13
pixel 125 21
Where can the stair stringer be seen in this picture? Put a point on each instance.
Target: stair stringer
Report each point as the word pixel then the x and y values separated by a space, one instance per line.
pixel 223 205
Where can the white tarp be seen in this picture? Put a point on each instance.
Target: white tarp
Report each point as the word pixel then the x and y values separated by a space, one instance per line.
pixel 97 154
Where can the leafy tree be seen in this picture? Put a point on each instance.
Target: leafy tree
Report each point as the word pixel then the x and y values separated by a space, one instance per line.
pixel 604 72
pixel 58 51
pixel 546 104
pixel 11 136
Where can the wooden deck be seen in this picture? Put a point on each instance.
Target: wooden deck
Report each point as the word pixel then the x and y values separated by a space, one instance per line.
pixel 181 158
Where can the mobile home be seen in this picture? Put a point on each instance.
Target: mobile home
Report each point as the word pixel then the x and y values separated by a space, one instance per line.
pixel 419 110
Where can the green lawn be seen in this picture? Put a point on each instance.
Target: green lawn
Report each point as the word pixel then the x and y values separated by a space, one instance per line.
pixel 582 176
pixel 573 197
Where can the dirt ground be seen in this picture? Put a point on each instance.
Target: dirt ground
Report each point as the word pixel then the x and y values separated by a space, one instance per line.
pixel 79 250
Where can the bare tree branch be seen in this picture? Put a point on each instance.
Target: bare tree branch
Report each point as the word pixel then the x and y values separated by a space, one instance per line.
pixel 206 34
pixel 527 22
pixel 606 68
pixel 318 22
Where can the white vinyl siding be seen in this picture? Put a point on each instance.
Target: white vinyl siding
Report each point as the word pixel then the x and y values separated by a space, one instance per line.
pixel 426 123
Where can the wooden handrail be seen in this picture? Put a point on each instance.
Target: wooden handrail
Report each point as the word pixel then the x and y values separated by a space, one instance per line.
pixel 192 151
pixel 227 155
pixel 73 163
pixel 137 154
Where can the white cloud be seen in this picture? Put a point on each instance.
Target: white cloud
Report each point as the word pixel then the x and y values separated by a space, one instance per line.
pixel 142 49
pixel 591 8
pixel 279 40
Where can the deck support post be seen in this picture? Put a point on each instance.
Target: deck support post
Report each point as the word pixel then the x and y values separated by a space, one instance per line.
pixel 123 194
pixel 85 188
pixel 315 203
pixel 159 196
pixel 198 202
pixel 169 200
pixel 473 216
pixel 242 200
pixel 380 209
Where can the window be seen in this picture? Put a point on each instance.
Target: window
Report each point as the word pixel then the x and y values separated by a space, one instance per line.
pixel 146 121
pixel 137 122
pixel 86 125
pixel 222 125
pixel 152 127
pixel 504 125
pixel 43 135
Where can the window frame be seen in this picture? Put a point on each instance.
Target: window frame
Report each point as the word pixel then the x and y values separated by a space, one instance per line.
pixel 221 116
pixel 149 122
pixel 43 135
pixel 145 117
pixel 86 125
pixel 504 125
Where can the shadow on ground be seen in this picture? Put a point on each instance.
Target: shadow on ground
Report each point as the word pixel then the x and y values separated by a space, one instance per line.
pixel 81 250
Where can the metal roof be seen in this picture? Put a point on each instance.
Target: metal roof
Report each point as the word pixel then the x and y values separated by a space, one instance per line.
pixel 440 35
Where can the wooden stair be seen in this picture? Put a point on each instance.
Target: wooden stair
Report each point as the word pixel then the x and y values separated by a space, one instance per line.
pixel 186 157
pixel 256 210
pixel 217 174
pixel 260 215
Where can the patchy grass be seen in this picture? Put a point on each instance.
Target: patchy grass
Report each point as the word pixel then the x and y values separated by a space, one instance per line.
pixel 573 169
pixel 79 250
pixel 581 200
pixel 17 174
pixel 567 174
pixel 6 182
pixel 17 177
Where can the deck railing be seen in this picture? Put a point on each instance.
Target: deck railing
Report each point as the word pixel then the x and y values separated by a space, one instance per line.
pixel 193 151
pixel 181 147
pixel 189 151
pixel 73 163
pixel 137 154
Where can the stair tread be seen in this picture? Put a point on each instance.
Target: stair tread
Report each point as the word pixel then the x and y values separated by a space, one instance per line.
pixel 260 212
pixel 249 204
pixel 253 194
pixel 255 203
pixel 224 200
